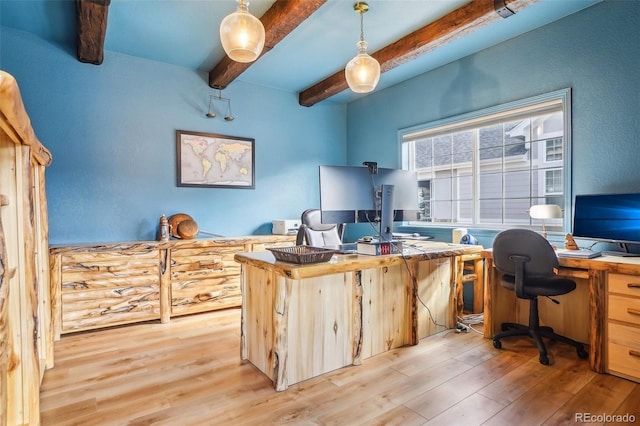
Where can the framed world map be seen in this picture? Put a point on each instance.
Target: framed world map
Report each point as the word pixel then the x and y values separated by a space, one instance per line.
pixel 217 161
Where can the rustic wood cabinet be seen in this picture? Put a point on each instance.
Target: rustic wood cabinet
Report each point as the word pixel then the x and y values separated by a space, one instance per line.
pixel 95 286
pixel 26 346
pixel 623 325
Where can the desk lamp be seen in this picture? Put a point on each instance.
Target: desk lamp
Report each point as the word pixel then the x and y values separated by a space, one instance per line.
pixel 545 211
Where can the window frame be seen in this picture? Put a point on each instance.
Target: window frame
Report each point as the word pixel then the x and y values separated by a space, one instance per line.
pixel 559 100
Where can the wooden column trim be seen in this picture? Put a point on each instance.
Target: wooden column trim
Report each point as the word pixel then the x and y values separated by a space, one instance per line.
pixel 358 320
pixel 597 307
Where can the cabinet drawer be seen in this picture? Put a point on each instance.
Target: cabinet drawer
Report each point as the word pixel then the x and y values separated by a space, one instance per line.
pixel 623 350
pixel 94 271
pixel 205 295
pixel 624 284
pixel 198 263
pixel 85 310
pixel 625 309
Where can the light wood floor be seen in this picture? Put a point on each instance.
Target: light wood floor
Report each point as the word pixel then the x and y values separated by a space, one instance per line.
pixel 188 372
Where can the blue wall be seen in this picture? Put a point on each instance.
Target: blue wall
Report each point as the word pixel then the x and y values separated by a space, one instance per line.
pixel 111 130
pixel 596 52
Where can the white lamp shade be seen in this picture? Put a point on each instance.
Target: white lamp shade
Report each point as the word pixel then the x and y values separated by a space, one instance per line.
pixel 362 72
pixel 242 35
pixel 545 211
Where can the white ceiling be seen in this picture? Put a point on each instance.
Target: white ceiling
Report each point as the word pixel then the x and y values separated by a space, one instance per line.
pixel 185 33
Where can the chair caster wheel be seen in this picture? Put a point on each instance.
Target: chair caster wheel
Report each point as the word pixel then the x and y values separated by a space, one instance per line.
pixel 544 360
pixel 582 354
pixel 497 344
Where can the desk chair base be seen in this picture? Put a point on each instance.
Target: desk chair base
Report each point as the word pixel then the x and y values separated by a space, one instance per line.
pixel 536 332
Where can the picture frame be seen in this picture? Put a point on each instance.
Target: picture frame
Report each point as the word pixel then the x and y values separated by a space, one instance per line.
pixel 211 160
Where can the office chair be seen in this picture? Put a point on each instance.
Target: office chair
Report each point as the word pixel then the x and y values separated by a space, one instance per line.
pixel 527 262
pixel 313 232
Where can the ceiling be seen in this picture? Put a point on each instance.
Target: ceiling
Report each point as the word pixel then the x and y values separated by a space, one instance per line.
pixel 185 33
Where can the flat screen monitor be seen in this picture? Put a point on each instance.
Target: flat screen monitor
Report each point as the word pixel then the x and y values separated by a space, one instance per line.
pixel 608 218
pixel 352 194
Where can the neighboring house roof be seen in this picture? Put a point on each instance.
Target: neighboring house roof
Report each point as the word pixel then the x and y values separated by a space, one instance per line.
pixel 491 147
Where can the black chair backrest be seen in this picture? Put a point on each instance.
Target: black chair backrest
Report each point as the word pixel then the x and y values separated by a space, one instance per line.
pixel 313 219
pixel 541 259
pixel 315 233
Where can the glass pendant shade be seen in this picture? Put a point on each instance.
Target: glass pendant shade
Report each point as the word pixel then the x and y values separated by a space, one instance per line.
pixel 242 35
pixel 363 71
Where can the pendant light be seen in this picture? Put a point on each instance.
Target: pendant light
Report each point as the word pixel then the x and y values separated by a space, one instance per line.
pixel 242 34
pixel 363 71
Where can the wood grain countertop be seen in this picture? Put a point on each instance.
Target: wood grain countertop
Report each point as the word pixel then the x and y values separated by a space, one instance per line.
pixel 415 251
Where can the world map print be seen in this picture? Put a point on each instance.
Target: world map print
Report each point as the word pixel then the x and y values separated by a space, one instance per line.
pixel 216 161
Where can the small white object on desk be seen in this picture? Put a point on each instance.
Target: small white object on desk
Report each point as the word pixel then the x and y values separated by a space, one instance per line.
pixel 285 226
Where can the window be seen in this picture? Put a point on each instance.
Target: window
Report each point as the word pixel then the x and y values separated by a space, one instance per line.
pixel 553 182
pixel 485 169
pixel 554 149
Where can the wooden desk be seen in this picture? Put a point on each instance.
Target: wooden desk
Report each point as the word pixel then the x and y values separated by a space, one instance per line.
pixel 586 314
pixel 300 321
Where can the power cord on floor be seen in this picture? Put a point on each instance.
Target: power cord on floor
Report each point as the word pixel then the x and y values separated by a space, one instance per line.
pixel 466 322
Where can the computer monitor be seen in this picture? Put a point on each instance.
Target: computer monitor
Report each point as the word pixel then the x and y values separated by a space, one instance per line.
pixel 613 218
pixel 353 194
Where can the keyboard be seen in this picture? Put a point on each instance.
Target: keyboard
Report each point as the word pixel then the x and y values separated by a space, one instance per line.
pixel 406 236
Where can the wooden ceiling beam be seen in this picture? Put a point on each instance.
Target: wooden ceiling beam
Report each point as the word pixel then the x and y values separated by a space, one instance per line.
pixel 460 22
pixel 281 19
pixel 91 16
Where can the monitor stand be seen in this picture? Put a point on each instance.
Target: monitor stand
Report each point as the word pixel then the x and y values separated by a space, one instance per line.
pixel 619 253
pixel 386 214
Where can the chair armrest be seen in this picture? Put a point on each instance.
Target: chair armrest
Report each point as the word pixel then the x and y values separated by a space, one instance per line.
pixel 300 235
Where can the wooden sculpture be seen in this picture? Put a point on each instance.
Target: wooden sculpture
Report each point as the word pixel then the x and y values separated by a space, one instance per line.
pixel 570 243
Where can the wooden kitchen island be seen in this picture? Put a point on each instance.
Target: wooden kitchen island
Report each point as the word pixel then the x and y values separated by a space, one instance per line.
pixel 301 321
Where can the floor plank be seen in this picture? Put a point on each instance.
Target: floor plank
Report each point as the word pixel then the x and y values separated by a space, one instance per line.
pixel 189 372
